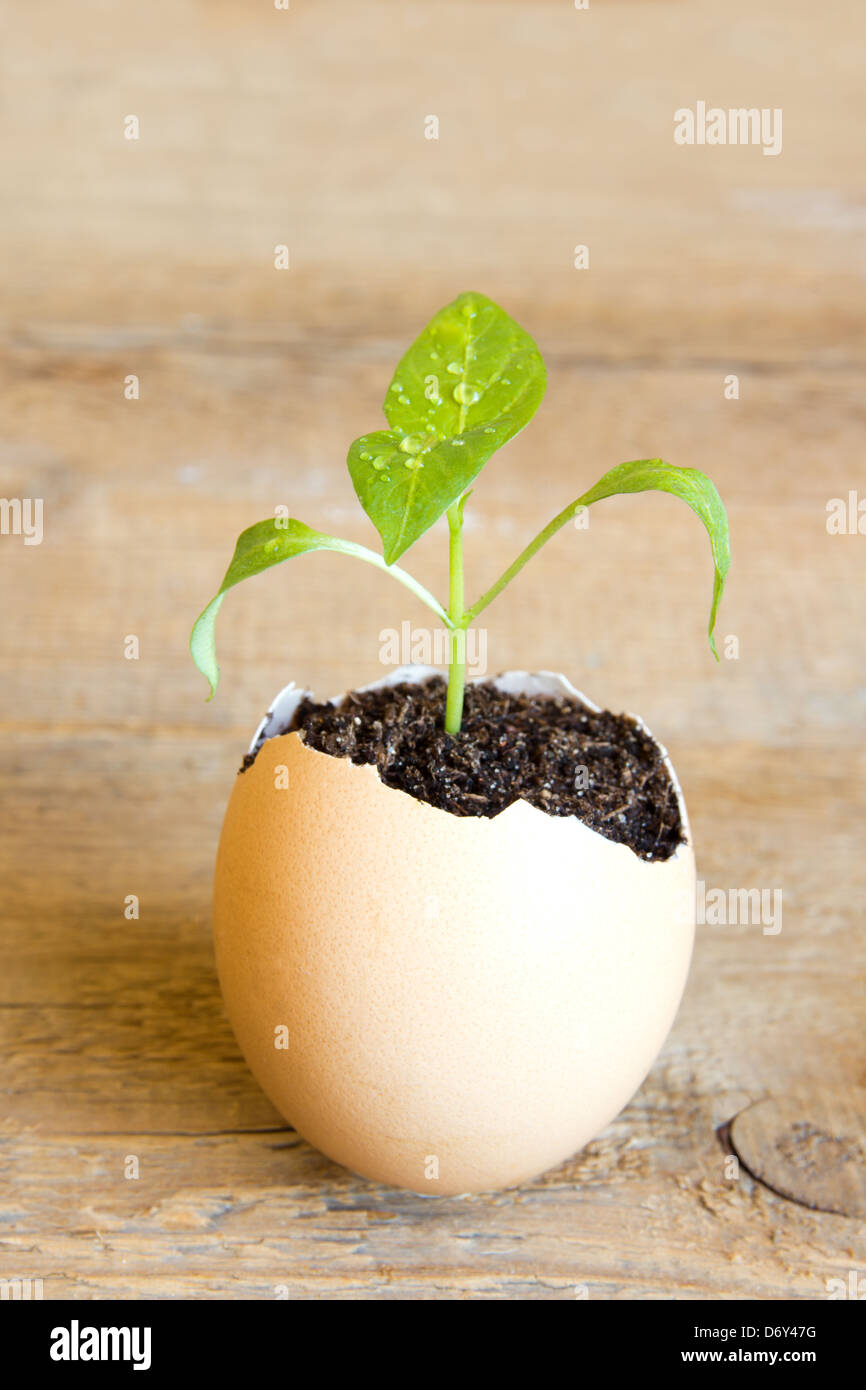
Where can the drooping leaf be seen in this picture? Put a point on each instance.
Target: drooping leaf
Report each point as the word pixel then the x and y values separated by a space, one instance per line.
pixel 691 486
pixel 268 543
pixel 467 385
pixel 642 475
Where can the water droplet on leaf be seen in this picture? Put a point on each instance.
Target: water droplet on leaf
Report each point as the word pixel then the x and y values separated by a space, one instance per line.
pixel 411 443
pixel 466 395
pixel 454 368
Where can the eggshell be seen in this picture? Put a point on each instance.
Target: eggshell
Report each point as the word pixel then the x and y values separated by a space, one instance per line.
pixel 467 1001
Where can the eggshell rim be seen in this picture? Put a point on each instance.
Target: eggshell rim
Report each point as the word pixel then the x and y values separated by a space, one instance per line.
pixel 282 709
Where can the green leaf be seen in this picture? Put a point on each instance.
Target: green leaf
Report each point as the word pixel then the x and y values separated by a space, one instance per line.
pixel 472 365
pixel 405 484
pixel 642 475
pixel 268 543
pixel 466 386
pixel 691 486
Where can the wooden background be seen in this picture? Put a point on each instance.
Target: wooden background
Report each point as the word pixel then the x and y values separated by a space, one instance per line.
pixel 155 258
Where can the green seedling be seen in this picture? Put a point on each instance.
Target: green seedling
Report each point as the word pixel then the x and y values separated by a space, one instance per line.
pixel 466 386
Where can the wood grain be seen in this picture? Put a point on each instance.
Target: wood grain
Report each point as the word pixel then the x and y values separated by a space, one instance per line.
pixel 156 259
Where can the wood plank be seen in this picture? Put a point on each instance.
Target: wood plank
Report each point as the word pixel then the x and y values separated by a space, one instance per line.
pixel 257 1211
pixel 156 258
pixel 124 1052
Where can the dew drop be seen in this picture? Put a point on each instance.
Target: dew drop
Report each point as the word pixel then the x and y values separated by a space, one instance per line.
pixel 365 455
pixel 454 368
pixel 489 429
pixel 404 400
pixel 395 386
pixel 466 395
pixel 412 464
pixel 380 463
pixel 411 443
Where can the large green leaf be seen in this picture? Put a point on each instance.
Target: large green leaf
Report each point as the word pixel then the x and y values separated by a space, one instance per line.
pixel 472 365
pixel 465 387
pixel 268 543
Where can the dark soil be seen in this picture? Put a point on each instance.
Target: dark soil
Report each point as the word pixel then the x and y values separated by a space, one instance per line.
pixel 553 752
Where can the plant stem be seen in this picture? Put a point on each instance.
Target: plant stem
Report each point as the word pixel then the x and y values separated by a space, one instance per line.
pixel 457 623
pixel 550 530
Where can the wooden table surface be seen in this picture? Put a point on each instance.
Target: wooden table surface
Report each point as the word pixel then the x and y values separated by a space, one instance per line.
pixel 155 258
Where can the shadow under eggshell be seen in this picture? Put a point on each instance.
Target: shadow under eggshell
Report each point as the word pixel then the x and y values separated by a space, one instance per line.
pixel 468 1000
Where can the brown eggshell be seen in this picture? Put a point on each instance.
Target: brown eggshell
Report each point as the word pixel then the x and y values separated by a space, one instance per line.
pixel 468 1000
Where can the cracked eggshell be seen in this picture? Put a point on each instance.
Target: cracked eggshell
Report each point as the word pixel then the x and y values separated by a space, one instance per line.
pixel 467 1001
